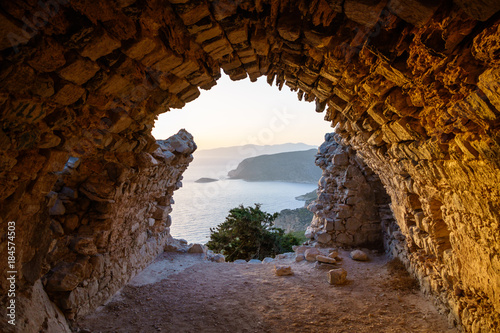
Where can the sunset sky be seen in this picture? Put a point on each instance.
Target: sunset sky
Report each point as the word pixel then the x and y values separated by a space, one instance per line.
pixel 235 113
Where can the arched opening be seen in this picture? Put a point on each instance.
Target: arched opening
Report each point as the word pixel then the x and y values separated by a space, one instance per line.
pixel 254 120
pixel 412 87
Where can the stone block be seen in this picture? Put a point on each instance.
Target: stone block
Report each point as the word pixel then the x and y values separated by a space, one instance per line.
pixel 376 111
pixel 366 13
pixel 260 43
pixel 325 259
pixel 489 83
pixel 190 14
pixel 185 68
pixel 415 12
pixel 218 48
pixel 114 85
pixel 337 276
pixel 224 8
pixel 170 61
pixel 323 237
pixel 100 45
pixel 359 255
pixel 344 239
pixel 85 246
pixel 288 29
pixel 392 74
pixel 311 253
pixel 48 57
pixel 208 34
pixel 344 211
pixel 69 94
pixel 475 107
pixel 67 276
pixel 140 49
pixel 281 270
pixel 353 224
pixel 237 36
pixel 340 159
pixel 479 10
pixel 79 71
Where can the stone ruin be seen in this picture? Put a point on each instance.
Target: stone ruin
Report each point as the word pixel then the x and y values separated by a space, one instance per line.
pixel 411 86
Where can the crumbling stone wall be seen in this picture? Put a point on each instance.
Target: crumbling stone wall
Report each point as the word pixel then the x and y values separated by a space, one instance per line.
pixel 106 219
pixel 412 86
pixel 352 204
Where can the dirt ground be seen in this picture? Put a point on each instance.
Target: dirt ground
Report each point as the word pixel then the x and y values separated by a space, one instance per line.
pixel 182 293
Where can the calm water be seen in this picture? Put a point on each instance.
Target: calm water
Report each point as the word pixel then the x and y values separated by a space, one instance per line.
pixel 200 206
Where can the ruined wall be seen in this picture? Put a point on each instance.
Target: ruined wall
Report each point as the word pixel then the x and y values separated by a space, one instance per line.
pixel 106 219
pixel 352 204
pixel 412 86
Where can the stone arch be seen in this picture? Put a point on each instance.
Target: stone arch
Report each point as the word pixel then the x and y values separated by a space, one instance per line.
pixel 412 86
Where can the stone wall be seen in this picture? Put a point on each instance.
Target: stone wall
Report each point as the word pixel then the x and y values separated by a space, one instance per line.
pixel 352 204
pixel 106 219
pixel 411 86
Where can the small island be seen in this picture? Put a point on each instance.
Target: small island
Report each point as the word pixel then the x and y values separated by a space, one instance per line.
pixel 205 180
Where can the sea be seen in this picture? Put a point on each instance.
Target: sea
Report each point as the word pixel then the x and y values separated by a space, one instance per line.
pixel 200 206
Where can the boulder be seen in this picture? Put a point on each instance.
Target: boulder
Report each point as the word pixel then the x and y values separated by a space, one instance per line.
pixel 359 255
pixel 283 270
pixel 310 254
pixel 337 276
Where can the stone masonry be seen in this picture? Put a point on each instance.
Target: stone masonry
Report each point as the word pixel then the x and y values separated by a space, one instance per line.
pixel 411 86
pixel 352 204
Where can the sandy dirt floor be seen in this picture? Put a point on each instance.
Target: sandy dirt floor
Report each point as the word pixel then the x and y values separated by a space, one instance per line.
pixel 182 293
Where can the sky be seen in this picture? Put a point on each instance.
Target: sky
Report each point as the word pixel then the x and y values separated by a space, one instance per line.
pixel 235 113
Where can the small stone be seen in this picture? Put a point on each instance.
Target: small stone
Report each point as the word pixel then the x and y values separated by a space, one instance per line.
pixel 240 261
pixel 337 276
pixel 283 270
pixel 85 246
pixel 58 208
pixel 334 254
pixel 267 260
pixel 254 261
pixel 310 254
pixel 300 257
pixel 325 259
pixel 359 255
pixel 196 248
pixel 219 258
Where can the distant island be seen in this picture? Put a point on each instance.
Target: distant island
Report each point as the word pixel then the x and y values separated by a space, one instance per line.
pixel 205 180
pixel 295 167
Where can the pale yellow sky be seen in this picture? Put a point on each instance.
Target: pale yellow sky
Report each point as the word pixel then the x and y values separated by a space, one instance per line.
pixel 235 113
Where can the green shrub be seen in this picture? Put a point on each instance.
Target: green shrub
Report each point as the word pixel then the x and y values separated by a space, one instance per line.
pixel 248 233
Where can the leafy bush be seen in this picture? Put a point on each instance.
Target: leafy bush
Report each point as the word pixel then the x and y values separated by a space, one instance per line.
pixel 248 233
